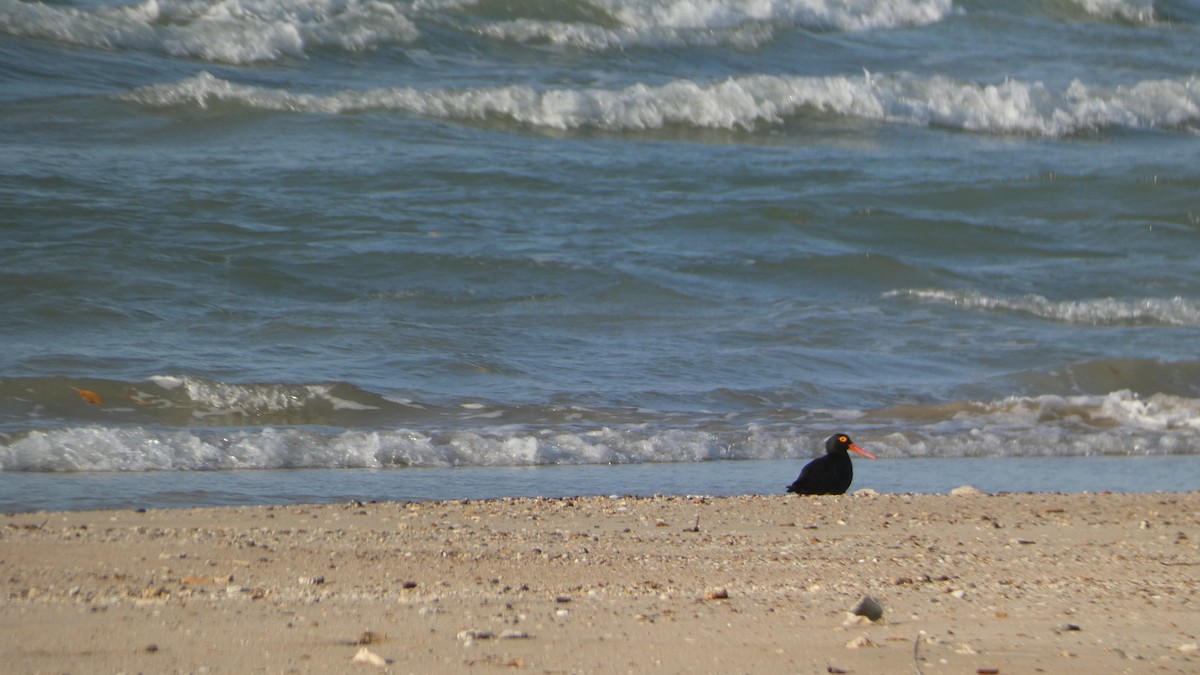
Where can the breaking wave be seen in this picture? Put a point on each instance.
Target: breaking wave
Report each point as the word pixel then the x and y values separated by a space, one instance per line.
pixel 252 31
pixel 690 22
pixel 183 424
pixel 226 31
pixel 739 104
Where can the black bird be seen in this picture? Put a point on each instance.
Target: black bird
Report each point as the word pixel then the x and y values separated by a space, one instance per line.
pixel 831 473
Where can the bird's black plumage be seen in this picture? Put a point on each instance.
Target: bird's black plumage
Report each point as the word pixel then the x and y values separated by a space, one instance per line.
pixel 831 473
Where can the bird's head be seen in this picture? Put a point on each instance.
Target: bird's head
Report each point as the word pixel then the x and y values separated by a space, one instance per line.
pixel 841 443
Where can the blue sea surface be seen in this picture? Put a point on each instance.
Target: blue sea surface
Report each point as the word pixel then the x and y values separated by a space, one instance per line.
pixel 251 244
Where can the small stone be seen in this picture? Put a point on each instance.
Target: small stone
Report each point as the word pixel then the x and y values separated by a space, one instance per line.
pixel 717 594
pixel 869 607
pixel 369 637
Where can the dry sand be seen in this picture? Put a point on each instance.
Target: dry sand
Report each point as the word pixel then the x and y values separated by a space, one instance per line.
pixel 971 583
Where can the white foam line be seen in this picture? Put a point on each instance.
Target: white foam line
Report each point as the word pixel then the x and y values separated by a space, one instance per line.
pixel 1175 311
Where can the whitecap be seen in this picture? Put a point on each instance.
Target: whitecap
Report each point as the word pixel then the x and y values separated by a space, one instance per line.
pixel 226 31
pixel 813 14
pixel 167 381
pixel 1139 11
pixel 744 25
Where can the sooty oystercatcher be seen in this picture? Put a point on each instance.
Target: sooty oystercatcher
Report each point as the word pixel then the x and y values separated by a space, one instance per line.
pixel 831 473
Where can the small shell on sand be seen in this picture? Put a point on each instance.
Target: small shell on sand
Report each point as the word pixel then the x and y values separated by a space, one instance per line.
pixel 860 642
pixel 367 657
pixel 966 491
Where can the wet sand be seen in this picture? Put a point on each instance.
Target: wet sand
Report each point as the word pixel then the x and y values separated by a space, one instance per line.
pixel 968 583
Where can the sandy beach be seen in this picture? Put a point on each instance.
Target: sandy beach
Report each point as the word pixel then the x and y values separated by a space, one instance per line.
pixel 968 583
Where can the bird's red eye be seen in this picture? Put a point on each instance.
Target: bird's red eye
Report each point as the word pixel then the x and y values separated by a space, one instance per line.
pixel 843 439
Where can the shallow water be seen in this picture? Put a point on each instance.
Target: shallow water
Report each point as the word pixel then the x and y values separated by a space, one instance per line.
pixel 108 490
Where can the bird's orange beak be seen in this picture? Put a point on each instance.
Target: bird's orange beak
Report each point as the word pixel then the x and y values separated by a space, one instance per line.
pixel 862 452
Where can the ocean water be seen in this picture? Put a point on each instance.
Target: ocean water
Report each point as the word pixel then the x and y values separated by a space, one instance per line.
pixel 250 248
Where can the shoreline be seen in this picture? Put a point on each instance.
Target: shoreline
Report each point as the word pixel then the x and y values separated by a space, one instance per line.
pixel 35 491
pixel 970 582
